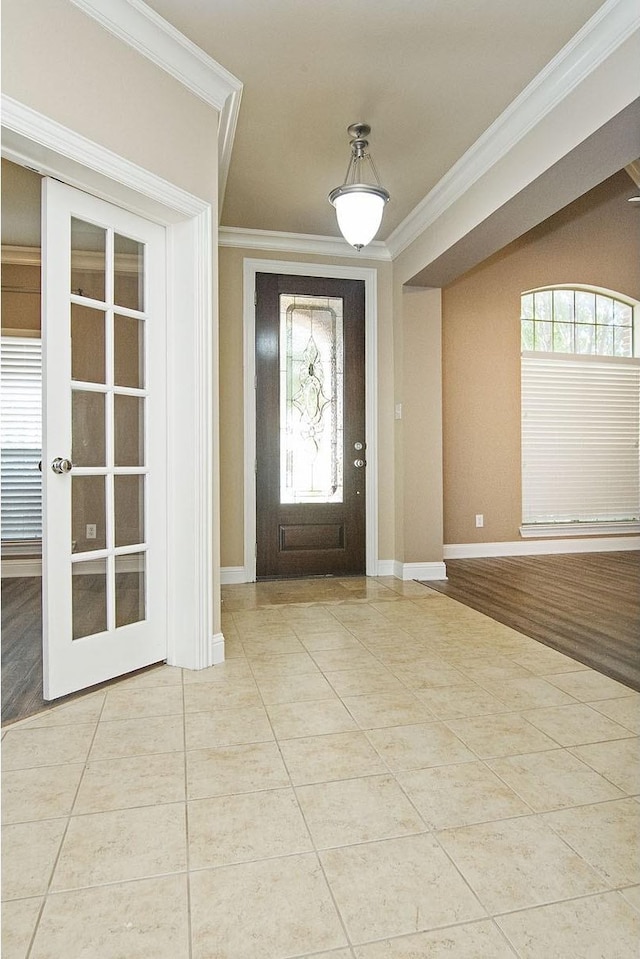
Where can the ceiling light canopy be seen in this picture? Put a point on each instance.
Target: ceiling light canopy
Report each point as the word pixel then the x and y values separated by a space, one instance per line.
pixel 359 203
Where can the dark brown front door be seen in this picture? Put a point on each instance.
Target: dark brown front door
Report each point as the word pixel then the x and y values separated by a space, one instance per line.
pixel 310 424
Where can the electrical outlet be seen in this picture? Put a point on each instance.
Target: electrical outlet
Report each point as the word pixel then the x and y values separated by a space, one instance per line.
pixel 91 531
pixel 479 520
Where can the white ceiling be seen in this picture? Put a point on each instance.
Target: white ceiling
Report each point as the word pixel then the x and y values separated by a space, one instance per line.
pixel 429 76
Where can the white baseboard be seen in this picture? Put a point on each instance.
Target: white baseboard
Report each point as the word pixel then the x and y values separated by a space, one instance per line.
pixel 217 649
pixel 541 547
pixel 233 575
pixel 422 571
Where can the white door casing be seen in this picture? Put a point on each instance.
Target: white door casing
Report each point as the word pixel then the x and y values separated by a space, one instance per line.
pixel 31 139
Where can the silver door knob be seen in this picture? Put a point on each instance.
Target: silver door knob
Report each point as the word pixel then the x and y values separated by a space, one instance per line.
pixel 359 464
pixel 61 465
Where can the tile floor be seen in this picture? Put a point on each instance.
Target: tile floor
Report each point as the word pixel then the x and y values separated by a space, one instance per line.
pixel 376 772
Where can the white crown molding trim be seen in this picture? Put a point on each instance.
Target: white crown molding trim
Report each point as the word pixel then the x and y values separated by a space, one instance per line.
pixel 137 25
pixel 238 238
pixel 599 38
pixel 20 121
pixel 605 544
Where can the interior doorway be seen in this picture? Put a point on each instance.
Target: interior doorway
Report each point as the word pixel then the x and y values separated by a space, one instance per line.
pixel 100 300
pixel 194 639
pixel 22 533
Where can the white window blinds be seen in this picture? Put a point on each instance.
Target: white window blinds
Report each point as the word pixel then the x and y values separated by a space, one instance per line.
pixel 580 432
pixel 20 437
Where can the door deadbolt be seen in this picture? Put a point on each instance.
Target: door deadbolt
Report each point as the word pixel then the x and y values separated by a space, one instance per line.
pixel 61 465
pixel 358 446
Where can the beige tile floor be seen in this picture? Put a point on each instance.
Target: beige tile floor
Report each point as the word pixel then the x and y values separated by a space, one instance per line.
pixel 376 772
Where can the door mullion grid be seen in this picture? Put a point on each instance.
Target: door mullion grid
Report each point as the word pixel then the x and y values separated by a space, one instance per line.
pixel 110 428
pixel 146 299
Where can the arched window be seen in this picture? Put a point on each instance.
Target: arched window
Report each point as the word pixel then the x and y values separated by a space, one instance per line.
pixel 579 320
pixel 580 412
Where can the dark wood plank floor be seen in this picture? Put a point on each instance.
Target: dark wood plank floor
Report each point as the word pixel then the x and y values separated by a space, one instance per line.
pixel 586 605
pixel 21 648
pixel 22 640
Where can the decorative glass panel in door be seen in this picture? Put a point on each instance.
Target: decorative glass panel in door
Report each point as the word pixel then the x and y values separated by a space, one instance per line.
pixel 311 399
pixel 104 460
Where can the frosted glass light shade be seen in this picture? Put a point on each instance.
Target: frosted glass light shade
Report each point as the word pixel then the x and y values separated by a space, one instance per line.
pixel 359 211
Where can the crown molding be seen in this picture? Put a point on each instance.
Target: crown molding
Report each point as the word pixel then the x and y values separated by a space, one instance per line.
pixel 60 150
pixel 231 236
pixel 137 25
pixel 614 23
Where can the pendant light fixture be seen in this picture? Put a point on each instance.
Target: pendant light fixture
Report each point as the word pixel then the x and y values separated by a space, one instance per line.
pixel 359 204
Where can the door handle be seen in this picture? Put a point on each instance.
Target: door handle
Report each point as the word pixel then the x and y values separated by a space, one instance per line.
pixel 359 464
pixel 61 465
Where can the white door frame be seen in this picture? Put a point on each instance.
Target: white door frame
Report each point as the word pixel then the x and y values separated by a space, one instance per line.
pixel 33 140
pixel 370 277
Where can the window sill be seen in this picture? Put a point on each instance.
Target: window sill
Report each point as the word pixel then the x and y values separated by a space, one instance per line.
pixel 25 548
pixel 538 530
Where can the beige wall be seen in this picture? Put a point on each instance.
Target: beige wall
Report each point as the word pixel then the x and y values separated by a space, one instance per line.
pixel 61 63
pixel 232 397
pixel 595 240
pixel 419 430
pixel 20 297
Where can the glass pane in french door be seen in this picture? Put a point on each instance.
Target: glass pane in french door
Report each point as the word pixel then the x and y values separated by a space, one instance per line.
pixel 88 500
pixel 88 259
pixel 130 591
pixel 87 344
pixel 89 590
pixel 109 409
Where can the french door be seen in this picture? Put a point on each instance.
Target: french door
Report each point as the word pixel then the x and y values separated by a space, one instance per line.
pixel 104 448
pixel 310 425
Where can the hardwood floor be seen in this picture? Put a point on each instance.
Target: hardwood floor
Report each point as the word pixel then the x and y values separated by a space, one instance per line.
pixel 586 605
pixel 21 648
pixel 22 636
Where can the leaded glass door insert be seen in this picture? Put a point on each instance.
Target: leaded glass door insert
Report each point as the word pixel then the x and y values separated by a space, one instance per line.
pixel 311 399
